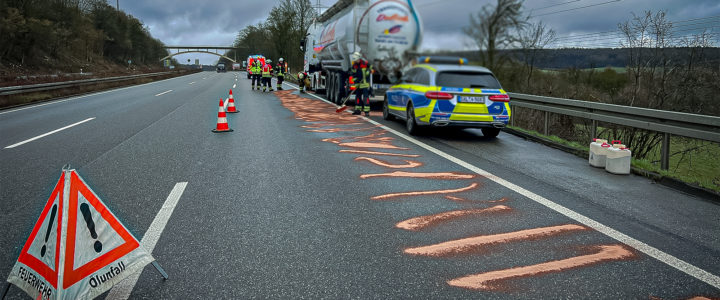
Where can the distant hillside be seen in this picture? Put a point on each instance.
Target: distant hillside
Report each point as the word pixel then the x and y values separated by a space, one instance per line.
pixel 593 58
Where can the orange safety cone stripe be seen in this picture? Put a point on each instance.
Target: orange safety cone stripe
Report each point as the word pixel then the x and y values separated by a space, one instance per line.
pixel 222 124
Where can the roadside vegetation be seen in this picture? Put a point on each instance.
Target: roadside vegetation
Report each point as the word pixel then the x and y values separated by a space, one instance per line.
pixel 279 35
pixel 663 70
pixel 51 40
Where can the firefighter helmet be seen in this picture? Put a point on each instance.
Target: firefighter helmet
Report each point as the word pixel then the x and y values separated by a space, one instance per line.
pixel 280 60
pixel 356 56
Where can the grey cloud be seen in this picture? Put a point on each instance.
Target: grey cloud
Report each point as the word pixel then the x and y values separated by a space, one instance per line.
pixel 217 22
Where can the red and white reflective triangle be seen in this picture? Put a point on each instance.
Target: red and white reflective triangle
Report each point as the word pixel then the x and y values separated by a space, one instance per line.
pixel 78 248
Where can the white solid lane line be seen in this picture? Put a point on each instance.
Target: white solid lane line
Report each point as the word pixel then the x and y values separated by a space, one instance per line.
pixel 123 289
pixel 49 133
pixel 651 251
pixel 163 93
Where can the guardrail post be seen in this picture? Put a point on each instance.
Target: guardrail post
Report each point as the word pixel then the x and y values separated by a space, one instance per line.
pixel 547 118
pixel 665 152
pixel 512 115
pixel 593 130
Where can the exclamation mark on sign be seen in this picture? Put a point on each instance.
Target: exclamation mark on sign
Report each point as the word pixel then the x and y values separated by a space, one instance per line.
pixel 49 227
pixel 85 209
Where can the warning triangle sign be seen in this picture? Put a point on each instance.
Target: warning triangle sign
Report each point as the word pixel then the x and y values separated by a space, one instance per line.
pixel 78 249
pixel 42 249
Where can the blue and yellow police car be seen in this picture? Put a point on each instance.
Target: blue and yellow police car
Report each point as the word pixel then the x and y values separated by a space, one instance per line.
pixel 445 91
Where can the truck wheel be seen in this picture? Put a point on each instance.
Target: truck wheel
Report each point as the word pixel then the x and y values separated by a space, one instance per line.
pixel 410 124
pixel 338 97
pixel 331 87
pixel 316 86
pixel 386 110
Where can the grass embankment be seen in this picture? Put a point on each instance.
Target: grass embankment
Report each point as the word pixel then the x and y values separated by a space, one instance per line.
pixel 692 161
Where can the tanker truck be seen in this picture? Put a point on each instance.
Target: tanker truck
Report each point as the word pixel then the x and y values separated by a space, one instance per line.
pixel 386 32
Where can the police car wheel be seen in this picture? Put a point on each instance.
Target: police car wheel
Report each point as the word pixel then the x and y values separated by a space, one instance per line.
pixel 386 110
pixel 490 132
pixel 410 124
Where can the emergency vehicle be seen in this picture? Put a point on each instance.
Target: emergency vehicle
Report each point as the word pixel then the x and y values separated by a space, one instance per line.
pixel 445 91
pixel 249 63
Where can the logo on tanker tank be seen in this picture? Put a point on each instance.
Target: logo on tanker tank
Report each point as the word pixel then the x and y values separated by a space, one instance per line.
pixel 393 30
pixel 394 17
pixel 392 13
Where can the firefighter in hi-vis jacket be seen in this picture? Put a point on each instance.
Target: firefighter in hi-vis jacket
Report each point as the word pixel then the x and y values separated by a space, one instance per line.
pixel 303 81
pixel 256 69
pixel 360 73
pixel 267 72
pixel 280 71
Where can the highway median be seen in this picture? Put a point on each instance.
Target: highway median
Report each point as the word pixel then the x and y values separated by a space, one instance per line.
pixel 13 96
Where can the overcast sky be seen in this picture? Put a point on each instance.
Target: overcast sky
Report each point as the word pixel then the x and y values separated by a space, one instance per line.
pixel 211 22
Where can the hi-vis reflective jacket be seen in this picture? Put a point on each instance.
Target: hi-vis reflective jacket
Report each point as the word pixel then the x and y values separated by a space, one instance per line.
pixel 267 70
pixel 280 70
pixel 361 74
pixel 256 68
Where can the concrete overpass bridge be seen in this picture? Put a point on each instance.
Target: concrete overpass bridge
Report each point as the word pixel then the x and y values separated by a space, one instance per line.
pixel 201 49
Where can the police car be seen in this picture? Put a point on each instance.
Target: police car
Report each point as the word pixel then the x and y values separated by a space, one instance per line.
pixel 445 91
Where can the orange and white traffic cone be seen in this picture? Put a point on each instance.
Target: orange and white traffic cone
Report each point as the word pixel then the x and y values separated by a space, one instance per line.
pixel 231 104
pixel 222 124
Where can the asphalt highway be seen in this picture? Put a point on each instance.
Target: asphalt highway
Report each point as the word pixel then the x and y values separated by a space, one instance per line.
pixel 302 202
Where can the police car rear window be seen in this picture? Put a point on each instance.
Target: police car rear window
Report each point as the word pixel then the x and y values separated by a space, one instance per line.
pixel 467 80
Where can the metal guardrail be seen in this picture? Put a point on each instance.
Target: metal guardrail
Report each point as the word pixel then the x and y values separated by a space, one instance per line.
pixel 667 122
pixel 10 90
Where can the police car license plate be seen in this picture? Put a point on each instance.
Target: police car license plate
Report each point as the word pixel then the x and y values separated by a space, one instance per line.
pixel 472 99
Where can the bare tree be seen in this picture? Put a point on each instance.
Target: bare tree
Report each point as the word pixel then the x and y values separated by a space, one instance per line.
pixel 305 13
pixel 280 24
pixel 532 40
pixel 661 68
pixel 647 38
pixel 636 39
pixel 697 88
pixel 493 28
pixel 280 34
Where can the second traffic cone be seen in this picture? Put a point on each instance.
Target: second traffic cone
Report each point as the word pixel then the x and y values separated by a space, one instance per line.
pixel 231 104
pixel 222 124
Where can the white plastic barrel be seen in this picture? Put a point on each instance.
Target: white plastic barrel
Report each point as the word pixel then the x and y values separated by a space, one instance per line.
pixel 618 160
pixel 598 153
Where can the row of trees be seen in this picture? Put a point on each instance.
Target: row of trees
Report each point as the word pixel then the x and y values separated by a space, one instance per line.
pixel 664 70
pixel 279 36
pixel 67 34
